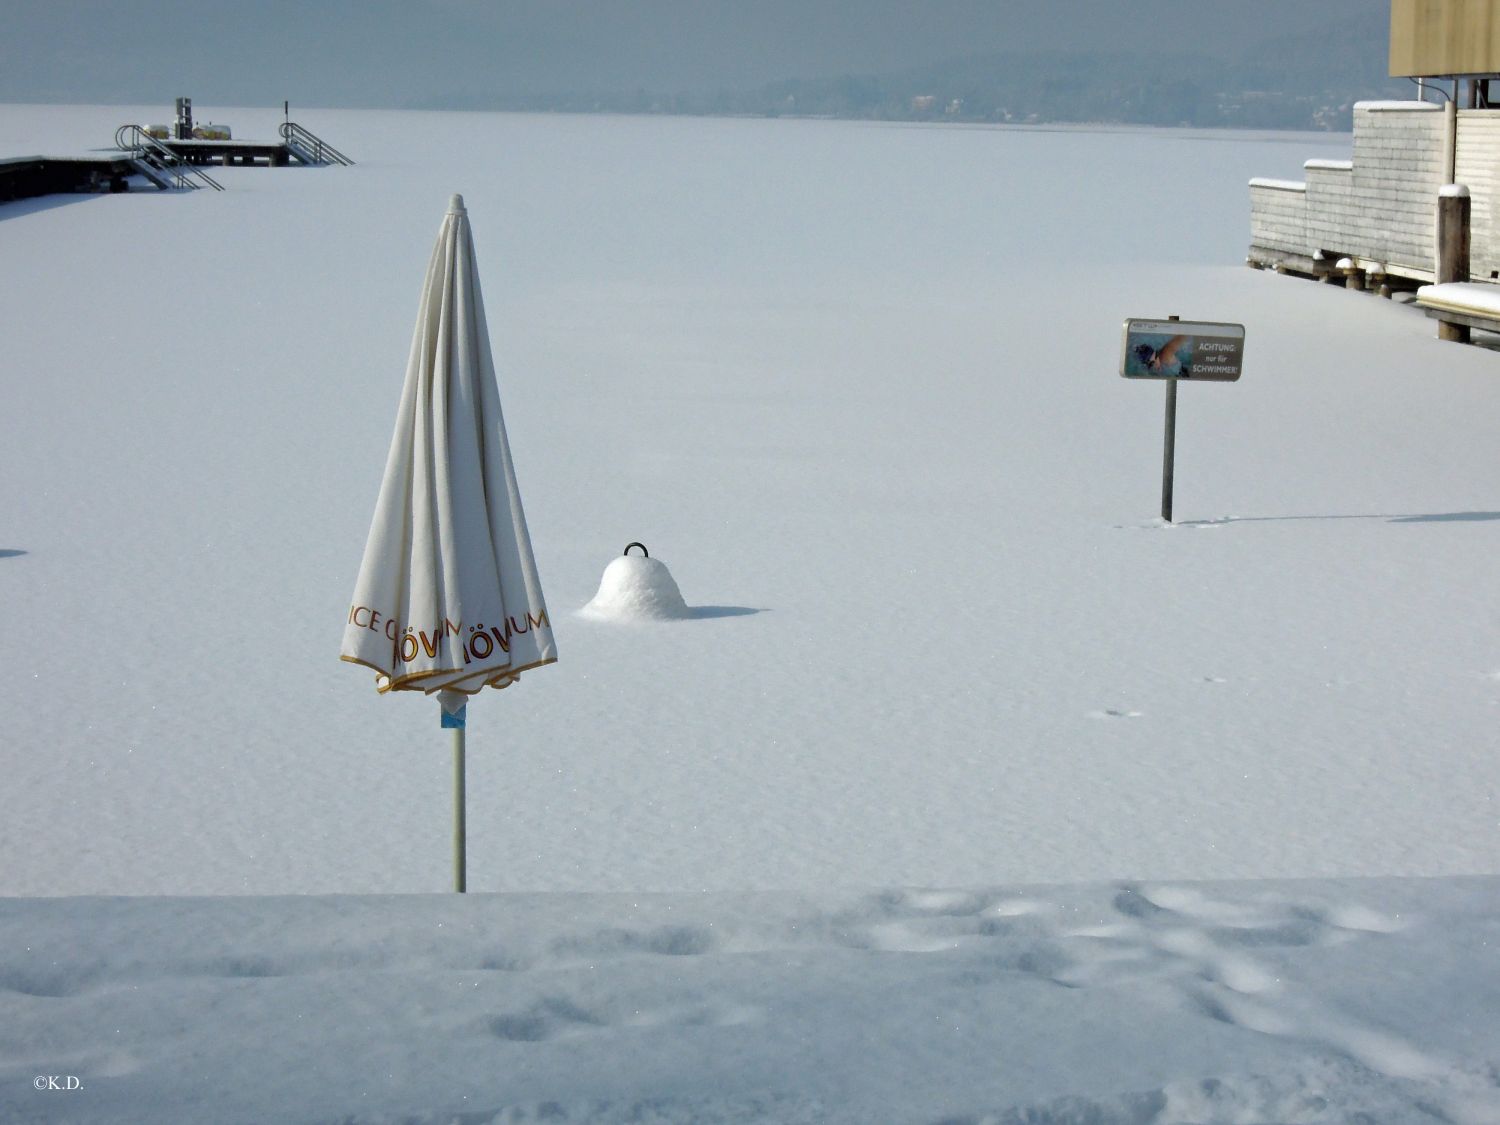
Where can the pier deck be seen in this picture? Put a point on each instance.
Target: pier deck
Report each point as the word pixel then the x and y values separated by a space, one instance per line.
pixel 275 154
pixel 23 177
pixel 165 163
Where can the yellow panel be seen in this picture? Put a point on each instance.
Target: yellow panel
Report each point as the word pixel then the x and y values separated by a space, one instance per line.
pixel 1435 38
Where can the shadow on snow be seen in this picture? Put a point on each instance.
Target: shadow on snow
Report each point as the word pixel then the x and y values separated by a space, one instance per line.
pixel 1435 517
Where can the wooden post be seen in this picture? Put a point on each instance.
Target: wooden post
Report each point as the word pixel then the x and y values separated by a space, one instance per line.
pixel 1454 210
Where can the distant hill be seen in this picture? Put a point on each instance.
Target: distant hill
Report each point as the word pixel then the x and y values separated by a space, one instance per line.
pixel 1303 81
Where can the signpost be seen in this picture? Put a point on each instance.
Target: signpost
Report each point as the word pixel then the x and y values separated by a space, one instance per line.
pixel 1170 351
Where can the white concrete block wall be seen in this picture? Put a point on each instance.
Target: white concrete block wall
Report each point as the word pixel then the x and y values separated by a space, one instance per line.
pixel 1278 216
pixel 1477 165
pixel 1330 203
pixel 1380 207
pixel 1398 168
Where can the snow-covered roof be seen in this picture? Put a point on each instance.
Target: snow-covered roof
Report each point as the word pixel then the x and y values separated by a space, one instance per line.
pixel 1330 165
pixel 1279 185
pixel 1387 106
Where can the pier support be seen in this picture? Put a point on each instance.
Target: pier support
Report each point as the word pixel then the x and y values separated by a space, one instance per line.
pixel 1454 210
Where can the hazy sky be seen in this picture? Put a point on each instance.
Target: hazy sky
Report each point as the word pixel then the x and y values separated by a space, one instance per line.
pixel 403 52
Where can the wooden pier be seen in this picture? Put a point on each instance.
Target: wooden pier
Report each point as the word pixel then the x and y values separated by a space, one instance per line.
pixel 269 154
pixel 1377 210
pixel 297 145
pixel 24 177
pixel 163 162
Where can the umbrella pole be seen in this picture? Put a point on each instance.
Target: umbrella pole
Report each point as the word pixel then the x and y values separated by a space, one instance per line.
pixel 459 842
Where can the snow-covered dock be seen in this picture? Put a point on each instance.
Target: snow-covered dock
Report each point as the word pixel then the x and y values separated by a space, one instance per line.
pixel 161 157
pixel 1379 209
pixel 24 177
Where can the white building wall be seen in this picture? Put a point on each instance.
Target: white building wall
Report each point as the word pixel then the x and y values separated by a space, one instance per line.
pixel 1278 216
pixel 1378 208
pixel 1398 168
pixel 1477 165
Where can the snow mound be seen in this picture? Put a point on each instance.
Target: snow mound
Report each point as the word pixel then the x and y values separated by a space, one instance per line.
pixel 637 588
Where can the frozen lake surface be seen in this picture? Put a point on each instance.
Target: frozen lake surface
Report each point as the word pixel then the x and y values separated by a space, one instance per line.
pixel 856 385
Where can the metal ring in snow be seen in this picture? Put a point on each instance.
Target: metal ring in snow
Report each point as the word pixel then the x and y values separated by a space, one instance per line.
pixel 642 546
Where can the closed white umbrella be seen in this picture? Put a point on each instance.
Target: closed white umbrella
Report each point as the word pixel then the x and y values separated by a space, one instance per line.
pixel 448 601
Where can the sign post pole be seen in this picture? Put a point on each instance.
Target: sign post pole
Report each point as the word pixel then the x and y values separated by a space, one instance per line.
pixel 1169 451
pixel 1169 447
pixel 1171 351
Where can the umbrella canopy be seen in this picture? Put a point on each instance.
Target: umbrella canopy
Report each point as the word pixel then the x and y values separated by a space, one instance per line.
pixel 448 599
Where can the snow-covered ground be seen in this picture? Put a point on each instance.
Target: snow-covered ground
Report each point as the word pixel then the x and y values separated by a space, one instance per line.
pixel 1355 1001
pixel 856 385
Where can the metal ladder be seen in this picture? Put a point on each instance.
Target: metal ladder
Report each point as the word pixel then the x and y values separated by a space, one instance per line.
pixel 160 164
pixel 310 148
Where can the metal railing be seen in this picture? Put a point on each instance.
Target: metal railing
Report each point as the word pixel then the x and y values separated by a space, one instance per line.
pixel 316 148
pixel 134 139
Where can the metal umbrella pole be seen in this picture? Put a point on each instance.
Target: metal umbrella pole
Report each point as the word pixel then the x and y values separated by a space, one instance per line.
pixel 460 845
pixel 456 721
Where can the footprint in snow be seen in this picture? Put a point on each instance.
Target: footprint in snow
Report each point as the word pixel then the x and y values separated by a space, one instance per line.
pixel 551 1018
pixel 557 1017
